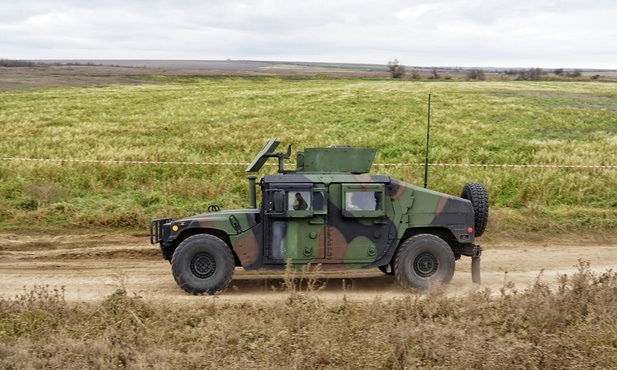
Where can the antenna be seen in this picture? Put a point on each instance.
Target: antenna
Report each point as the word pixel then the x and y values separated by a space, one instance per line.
pixel 428 130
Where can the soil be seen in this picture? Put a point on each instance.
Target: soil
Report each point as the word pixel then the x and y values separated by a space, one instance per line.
pixel 50 76
pixel 92 267
pixel 96 73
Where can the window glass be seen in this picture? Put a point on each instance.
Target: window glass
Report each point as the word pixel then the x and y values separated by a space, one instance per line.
pixel 298 200
pixel 319 201
pixel 362 200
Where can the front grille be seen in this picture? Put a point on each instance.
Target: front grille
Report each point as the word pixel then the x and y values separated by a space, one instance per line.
pixel 156 229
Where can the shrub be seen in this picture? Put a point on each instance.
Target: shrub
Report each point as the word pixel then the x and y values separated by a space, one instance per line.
pixel 476 74
pixel 17 63
pixel 395 69
pixel 575 73
pixel 532 74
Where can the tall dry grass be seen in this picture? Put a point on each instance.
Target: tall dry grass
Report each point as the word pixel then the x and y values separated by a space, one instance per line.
pixel 568 324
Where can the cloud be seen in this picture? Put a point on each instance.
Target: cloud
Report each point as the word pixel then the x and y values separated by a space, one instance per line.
pixel 456 33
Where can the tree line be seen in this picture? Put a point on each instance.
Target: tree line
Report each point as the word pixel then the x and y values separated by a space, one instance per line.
pixel 398 70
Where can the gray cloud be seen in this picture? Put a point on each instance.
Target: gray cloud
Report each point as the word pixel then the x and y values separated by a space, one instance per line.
pixel 570 34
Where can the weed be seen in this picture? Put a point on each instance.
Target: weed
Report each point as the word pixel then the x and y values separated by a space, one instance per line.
pixel 567 325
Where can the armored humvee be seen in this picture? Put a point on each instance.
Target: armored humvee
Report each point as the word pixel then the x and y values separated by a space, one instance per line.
pixel 328 211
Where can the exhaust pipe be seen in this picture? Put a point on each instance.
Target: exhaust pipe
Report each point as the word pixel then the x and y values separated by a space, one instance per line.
pixel 252 191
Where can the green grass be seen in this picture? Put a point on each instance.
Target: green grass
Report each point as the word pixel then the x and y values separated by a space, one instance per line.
pixel 229 120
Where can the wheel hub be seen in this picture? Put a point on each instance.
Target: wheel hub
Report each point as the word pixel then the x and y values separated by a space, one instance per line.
pixel 203 265
pixel 425 264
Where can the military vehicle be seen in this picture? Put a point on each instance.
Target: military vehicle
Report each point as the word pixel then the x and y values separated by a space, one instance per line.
pixel 328 211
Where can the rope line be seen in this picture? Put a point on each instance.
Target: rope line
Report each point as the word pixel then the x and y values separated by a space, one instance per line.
pixel 497 165
pixel 112 161
pixel 271 164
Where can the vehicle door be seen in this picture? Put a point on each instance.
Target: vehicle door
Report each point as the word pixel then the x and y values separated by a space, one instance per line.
pixel 295 221
pixel 360 227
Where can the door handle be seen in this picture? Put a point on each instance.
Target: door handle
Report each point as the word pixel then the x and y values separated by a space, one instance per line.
pixel 317 220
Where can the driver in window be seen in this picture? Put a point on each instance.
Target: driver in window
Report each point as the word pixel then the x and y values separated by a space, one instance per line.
pixel 300 204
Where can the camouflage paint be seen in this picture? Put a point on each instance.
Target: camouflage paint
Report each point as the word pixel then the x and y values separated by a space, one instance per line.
pixel 265 238
pixel 331 238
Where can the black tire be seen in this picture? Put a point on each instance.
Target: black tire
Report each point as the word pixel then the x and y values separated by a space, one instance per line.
pixel 422 261
pixel 477 194
pixel 202 264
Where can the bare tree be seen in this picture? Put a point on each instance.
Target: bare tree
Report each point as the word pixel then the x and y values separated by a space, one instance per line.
pixel 395 69
pixel 435 73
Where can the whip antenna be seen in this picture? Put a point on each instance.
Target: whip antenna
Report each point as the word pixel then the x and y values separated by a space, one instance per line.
pixel 428 130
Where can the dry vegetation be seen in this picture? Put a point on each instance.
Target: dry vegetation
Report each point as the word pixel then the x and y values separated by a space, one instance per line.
pixel 569 325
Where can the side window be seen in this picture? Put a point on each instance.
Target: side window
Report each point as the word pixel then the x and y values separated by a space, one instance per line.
pixel 298 200
pixel 363 200
pixel 319 203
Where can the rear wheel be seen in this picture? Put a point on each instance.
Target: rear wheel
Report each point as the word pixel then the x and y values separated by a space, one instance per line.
pixel 202 264
pixel 422 261
pixel 477 194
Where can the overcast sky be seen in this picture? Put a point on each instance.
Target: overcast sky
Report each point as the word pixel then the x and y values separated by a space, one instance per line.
pixel 481 33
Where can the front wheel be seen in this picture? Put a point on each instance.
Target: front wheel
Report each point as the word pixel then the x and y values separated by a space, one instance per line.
pixel 202 264
pixel 422 261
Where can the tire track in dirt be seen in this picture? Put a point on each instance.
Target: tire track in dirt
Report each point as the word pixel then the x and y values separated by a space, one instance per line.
pixel 91 267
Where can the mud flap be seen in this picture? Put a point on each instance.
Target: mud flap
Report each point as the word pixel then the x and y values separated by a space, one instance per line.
pixel 475 264
pixel 475 269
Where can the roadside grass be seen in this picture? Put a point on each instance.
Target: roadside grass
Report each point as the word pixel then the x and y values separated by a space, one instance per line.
pixel 229 119
pixel 566 324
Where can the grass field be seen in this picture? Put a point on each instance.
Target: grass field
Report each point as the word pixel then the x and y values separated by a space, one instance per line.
pixel 197 119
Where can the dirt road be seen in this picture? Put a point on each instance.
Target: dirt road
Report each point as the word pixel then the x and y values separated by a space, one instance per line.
pixel 91 267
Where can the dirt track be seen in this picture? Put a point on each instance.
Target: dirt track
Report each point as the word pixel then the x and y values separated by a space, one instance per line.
pixel 91 267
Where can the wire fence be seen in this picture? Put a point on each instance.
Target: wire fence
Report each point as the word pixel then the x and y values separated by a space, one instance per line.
pixel 112 161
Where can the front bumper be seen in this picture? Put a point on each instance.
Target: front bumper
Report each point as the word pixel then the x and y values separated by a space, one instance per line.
pixel 159 233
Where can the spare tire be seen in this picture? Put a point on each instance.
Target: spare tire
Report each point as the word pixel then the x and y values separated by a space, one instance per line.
pixel 477 194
